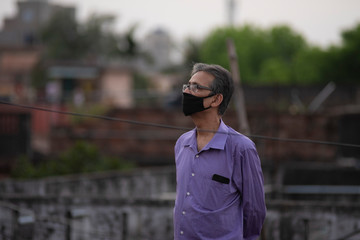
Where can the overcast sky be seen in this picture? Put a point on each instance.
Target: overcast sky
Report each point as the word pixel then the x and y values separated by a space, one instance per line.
pixel 319 21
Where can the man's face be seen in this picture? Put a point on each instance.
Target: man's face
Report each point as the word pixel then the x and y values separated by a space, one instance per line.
pixel 200 84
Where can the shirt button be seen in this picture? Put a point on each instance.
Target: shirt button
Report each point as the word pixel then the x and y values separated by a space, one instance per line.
pixel 197 155
pixel 181 232
pixel 183 212
pixel 188 193
pixel 193 174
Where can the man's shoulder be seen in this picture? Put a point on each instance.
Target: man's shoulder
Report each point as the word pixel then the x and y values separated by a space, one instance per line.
pixel 239 140
pixel 185 137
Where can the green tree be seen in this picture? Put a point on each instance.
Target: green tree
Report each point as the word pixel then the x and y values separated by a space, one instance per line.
pixel 274 70
pixel 264 56
pixel 343 62
pixel 285 42
pixel 251 49
pixel 62 38
pixel 80 158
pixel 97 36
pixel 309 66
pixel 130 48
pixel 23 168
pixel 66 39
pixel 191 52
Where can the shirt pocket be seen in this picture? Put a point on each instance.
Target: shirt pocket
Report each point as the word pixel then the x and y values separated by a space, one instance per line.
pixel 211 195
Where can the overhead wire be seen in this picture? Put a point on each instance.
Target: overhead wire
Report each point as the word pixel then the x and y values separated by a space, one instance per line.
pixel 148 124
pixel 96 116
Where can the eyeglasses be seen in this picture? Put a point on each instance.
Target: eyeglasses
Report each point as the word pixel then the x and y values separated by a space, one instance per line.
pixel 194 87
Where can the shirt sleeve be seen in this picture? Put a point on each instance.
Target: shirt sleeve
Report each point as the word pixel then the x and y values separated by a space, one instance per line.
pixel 250 182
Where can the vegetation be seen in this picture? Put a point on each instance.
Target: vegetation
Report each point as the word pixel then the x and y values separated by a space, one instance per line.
pixel 67 39
pixel 277 55
pixel 95 109
pixel 81 158
pixel 280 55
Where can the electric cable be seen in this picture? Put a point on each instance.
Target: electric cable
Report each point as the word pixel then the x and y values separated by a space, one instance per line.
pixel 148 124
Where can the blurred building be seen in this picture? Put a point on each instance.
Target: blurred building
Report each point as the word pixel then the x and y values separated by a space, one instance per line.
pixel 57 85
pixel 117 87
pixel 20 47
pixel 23 28
pixel 158 45
pixel 15 134
pixel 79 83
pixel 16 65
pixel 75 82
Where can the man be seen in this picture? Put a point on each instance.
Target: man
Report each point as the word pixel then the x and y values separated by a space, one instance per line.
pixel 218 172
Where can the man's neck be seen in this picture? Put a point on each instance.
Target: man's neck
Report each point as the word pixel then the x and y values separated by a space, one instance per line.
pixel 207 125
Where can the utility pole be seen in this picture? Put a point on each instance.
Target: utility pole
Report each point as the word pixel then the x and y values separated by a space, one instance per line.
pixel 231 12
pixel 238 91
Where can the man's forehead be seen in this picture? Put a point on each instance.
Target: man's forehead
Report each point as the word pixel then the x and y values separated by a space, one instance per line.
pixel 202 77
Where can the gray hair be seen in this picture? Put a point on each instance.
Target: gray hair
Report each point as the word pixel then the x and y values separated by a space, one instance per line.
pixel 222 82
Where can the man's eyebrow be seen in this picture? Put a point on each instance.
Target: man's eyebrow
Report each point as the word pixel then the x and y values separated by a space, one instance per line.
pixel 193 82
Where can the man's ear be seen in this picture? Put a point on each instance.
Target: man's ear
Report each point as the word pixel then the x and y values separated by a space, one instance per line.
pixel 218 100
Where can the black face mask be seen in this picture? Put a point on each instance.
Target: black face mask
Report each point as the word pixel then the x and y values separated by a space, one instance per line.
pixel 193 104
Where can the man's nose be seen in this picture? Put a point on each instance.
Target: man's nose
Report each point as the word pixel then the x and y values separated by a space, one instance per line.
pixel 187 90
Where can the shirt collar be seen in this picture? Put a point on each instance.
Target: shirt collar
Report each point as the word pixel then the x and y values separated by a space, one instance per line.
pixel 219 139
pixel 191 140
pixel 217 142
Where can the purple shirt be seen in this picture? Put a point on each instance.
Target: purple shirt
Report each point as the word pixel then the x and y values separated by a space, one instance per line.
pixel 219 191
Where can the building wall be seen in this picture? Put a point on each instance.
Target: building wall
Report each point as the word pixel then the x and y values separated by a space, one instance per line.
pixel 138 205
pixel 16 66
pixel 18 61
pixel 15 136
pixel 117 87
pixel 150 145
pixel 128 205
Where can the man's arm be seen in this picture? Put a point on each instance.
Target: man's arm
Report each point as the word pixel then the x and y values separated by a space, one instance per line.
pixel 252 191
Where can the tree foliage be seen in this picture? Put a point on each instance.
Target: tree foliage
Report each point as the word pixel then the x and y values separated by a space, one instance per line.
pixel 251 48
pixel 263 55
pixel 343 62
pixel 81 158
pixel 280 55
pixel 191 53
pixel 66 39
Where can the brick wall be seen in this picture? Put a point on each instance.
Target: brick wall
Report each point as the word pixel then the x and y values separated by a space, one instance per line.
pixel 149 145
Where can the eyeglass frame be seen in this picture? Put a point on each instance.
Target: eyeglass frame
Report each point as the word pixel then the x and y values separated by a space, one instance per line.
pixel 194 87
